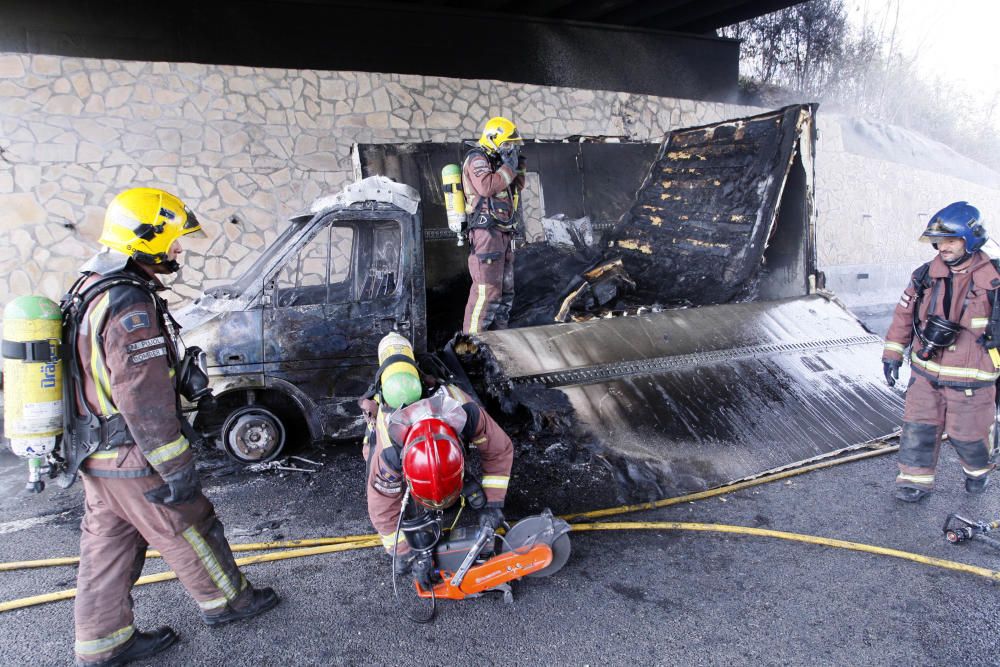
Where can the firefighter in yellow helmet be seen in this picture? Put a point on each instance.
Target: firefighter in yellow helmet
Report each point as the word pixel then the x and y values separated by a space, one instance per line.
pixel 130 444
pixel 492 178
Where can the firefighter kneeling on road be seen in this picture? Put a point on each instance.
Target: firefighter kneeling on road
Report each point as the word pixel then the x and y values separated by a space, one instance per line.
pixel 130 443
pixel 492 179
pixel 949 314
pixel 418 432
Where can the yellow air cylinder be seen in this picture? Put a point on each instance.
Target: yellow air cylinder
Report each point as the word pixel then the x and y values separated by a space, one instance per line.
pixel 400 381
pixel 454 198
pixel 32 408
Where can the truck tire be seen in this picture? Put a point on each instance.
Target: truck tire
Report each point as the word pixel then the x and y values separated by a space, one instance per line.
pixel 253 434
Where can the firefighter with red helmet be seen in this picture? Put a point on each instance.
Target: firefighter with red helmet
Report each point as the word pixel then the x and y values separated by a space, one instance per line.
pixel 949 317
pixel 419 434
pixel 493 174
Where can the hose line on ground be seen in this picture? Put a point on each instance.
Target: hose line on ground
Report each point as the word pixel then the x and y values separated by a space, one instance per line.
pixel 299 548
pixel 595 514
pixel 365 543
pixel 255 546
pixel 796 537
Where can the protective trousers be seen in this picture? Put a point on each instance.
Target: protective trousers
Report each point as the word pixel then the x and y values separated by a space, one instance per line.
pixel 491 266
pixel 118 523
pixel 966 415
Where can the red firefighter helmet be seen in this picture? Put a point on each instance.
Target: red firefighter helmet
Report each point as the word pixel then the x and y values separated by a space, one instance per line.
pixel 433 463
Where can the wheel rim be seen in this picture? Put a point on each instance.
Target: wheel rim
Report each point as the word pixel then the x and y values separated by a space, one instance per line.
pixel 253 435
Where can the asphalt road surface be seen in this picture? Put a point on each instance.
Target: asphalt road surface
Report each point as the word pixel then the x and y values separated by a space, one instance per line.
pixel 653 597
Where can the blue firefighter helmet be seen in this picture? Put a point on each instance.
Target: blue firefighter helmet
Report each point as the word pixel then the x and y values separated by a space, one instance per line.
pixel 957 220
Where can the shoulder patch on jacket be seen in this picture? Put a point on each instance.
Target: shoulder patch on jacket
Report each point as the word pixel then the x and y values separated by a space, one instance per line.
pixel 135 320
pixel 480 165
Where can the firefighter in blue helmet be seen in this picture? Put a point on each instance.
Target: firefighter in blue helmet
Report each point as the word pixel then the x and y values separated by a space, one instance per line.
pixel 946 317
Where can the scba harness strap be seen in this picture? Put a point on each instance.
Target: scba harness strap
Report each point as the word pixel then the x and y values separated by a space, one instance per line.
pixel 479 219
pixel 84 433
pixel 922 281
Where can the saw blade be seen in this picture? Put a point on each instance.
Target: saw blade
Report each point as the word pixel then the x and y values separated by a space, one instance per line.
pixel 534 529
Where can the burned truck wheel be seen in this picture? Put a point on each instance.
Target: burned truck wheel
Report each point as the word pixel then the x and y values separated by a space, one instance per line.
pixel 253 434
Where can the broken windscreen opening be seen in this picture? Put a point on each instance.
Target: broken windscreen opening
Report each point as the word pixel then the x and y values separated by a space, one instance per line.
pixel 251 269
pixel 321 271
pixel 381 278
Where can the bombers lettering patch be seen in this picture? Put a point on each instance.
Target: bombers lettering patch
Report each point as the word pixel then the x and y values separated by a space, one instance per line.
pixel 137 319
pixel 147 355
pixel 145 344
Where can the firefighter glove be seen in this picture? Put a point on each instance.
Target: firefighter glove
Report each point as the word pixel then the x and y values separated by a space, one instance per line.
pixel 891 370
pixel 181 487
pixel 491 517
pixel 509 157
pixel 422 569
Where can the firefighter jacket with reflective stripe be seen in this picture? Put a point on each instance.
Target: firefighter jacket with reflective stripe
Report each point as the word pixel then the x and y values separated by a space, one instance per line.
pixel 489 190
pixel 966 363
pixel 385 476
pixel 127 357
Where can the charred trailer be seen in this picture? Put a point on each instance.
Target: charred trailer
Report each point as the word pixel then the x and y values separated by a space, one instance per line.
pixel 695 343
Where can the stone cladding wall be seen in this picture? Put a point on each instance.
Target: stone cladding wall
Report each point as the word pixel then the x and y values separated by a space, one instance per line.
pixel 247 147
pixel 871 213
pixel 244 147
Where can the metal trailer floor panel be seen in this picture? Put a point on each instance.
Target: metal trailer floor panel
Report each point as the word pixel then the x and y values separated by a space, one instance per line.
pixel 714 394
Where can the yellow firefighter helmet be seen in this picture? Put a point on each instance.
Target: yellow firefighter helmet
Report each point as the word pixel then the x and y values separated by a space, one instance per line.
pixel 499 131
pixel 143 223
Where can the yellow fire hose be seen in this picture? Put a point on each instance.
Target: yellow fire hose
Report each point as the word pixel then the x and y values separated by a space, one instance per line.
pixel 318 546
pixel 797 537
pixel 256 546
pixel 370 541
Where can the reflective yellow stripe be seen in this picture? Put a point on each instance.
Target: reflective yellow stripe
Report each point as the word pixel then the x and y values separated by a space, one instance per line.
pixel 383 431
pixel 457 393
pixel 496 481
pixel 211 605
pixel 979 322
pixel 390 541
pixel 105 644
pixel 894 347
pixel 477 310
pixel 167 452
pixel 210 562
pixel 919 479
pixel 98 370
pixel 507 179
pixel 979 472
pixel 104 455
pixel 952 371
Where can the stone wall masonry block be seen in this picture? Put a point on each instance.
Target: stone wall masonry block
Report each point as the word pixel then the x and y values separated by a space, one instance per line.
pixel 55 153
pixel 11 66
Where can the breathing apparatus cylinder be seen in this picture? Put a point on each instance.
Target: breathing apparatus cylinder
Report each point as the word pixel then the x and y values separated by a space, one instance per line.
pixel 454 198
pixel 400 380
pixel 937 333
pixel 33 401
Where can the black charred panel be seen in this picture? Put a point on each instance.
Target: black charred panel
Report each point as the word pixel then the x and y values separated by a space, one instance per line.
pixel 698 227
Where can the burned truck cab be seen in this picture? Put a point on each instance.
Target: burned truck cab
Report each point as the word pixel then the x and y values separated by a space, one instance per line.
pixel 292 343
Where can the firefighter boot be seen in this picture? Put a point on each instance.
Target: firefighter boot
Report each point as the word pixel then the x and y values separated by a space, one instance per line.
pixel 910 494
pixel 261 600
pixel 142 646
pixel 976 484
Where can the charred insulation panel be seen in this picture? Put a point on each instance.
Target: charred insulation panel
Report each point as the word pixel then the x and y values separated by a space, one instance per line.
pixel 709 207
pixel 706 396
